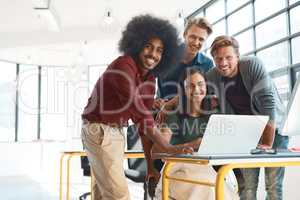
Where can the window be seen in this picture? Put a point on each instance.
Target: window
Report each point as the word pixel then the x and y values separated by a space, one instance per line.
pixel 296 50
pixel 215 11
pixel 264 35
pixel 218 29
pixel 271 61
pixel 234 21
pixel 293 1
pixel 234 4
pixel 246 42
pixel 64 95
pixel 295 20
pixel 54 103
pixel 28 103
pixel 94 73
pixel 264 9
pixel 7 101
pixel 267 32
pixel 282 84
pixel 201 14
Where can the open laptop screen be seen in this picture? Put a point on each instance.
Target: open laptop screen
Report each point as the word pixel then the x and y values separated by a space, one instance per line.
pixel 232 134
pixel 292 125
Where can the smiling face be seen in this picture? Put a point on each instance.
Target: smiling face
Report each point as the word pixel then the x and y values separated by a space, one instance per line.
pixel 151 54
pixel 194 39
pixel 226 60
pixel 195 87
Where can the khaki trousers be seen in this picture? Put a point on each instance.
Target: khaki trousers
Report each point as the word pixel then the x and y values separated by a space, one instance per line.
pixel 104 146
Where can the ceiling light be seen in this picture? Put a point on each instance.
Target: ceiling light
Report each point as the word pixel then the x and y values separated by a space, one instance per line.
pixel 180 18
pixel 108 19
pixel 48 14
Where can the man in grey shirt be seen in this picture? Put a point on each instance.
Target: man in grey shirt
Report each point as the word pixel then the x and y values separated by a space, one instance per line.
pixel 243 86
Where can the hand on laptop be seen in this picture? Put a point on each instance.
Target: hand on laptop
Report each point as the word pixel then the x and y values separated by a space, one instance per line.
pixel 181 150
pixel 263 149
pixel 263 146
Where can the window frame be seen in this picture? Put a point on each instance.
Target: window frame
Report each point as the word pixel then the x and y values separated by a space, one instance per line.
pixel 292 68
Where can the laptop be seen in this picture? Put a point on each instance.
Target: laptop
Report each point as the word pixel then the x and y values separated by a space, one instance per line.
pixel 231 135
pixel 292 125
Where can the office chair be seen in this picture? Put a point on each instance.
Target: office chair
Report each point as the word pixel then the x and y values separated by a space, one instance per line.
pixel 85 166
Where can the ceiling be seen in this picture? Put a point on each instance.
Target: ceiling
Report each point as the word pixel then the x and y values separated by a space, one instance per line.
pixel 26 38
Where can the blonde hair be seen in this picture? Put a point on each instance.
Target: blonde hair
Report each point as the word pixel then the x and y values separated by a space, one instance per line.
pixel 224 41
pixel 200 22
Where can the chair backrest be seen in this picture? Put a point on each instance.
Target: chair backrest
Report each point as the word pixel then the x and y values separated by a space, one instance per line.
pixel 85 166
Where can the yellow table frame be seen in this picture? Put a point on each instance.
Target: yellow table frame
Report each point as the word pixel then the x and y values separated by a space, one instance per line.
pixel 222 172
pixel 70 154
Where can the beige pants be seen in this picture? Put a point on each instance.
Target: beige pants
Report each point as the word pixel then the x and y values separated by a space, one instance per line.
pixel 187 191
pixel 104 146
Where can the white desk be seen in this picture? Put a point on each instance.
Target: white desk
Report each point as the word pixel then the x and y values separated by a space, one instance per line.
pixel 228 163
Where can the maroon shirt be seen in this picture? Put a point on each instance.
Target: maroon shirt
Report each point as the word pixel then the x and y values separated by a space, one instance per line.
pixel 120 94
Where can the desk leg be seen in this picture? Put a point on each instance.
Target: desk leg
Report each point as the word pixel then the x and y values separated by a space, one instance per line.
pixel 220 181
pixel 165 180
pixel 92 183
pixel 68 177
pixel 61 176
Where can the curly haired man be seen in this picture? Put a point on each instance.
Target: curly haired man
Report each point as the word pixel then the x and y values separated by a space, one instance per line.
pixel 126 91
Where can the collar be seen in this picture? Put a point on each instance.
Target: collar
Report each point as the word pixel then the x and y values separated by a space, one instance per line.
pixel 200 58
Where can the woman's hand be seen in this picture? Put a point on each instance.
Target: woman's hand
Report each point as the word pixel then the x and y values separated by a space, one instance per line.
pixel 158 103
pixel 263 146
pixel 180 150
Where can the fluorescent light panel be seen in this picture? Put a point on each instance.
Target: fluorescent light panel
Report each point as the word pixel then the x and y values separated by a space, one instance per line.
pixel 44 11
pixel 49 16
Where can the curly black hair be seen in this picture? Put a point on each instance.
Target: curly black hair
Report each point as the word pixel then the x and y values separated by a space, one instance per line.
pixel 144 27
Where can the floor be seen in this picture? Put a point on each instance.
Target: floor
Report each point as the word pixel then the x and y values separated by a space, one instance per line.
pixel 25 188
pixel 31 172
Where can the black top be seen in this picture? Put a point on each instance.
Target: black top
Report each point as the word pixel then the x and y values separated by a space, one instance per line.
pixel 237 95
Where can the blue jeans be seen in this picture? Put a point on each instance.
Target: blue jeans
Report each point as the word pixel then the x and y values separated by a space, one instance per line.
pixel 273 176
